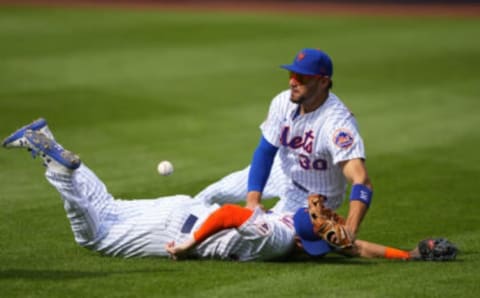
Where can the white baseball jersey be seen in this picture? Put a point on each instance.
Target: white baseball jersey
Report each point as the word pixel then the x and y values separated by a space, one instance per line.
pixel 264 236
pixel 142 227
pixel 312 145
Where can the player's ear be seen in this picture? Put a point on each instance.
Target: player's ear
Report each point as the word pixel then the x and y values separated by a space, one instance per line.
pixel 298 243
pixel 325 82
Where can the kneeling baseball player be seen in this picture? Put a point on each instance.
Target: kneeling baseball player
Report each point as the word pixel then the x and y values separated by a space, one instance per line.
pixel 178 226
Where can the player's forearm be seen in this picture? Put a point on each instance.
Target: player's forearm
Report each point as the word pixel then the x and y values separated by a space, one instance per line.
pixel 260 168
pixel 183 247
pixel 360 199
pixel 253 199
pixel 367 249
pixel 177 251
pixel 356 212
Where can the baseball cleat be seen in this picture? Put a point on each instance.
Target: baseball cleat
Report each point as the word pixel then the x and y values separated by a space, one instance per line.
pixel 437 249
pixel 17 139
pixel 54 155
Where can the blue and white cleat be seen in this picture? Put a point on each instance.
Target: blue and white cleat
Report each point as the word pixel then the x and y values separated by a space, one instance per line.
pixel 17 139
pixel 53 155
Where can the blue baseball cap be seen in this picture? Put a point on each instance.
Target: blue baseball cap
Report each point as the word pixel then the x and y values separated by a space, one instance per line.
pixel 311 62
pixel 312 244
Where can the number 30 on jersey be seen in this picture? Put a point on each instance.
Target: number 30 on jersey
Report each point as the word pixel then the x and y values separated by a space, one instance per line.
pixel 307 164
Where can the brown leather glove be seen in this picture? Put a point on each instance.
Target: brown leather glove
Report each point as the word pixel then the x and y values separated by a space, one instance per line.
pixel 327 224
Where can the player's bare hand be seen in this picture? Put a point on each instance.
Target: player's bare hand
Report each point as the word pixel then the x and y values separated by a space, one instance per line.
pixel 351 234
pixel 171 249
pixel 179 251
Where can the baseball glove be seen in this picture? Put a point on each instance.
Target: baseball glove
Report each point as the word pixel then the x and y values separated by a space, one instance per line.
pixel 327 224
pixel 437 249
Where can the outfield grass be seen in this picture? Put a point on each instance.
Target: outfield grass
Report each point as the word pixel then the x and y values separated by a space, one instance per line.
pixel 127 89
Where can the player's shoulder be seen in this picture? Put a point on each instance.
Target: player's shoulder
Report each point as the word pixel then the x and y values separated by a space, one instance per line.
pixel 340 122
pixel 335 102
pixel 282 101
pixel 336 108
pixel 283 96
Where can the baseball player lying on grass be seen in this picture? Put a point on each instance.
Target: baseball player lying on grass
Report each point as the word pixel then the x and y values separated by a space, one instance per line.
pixel 319 230
pixel 153 227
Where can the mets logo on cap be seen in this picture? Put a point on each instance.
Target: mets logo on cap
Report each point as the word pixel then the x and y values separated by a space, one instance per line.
pixel 343 138
pixel 300 56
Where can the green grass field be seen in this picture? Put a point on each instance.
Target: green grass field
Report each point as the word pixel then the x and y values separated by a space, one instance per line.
pixel 126 89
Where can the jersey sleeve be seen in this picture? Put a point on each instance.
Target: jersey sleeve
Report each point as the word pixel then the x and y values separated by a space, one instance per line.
pixel 226 217
pixel 272 235
pixel 256 226
pixel 344 140
pixel 261 225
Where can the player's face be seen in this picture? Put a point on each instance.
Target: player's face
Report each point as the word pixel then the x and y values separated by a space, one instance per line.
pixel 303 87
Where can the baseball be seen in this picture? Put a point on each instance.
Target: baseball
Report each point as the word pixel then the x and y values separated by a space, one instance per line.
pixel 165 168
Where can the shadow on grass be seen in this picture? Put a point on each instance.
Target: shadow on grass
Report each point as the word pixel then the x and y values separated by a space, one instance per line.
pixel 65 274
pixel 345 260
pixel 329 259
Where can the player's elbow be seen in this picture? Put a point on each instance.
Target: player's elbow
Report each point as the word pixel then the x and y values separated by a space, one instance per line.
pixel 363 180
